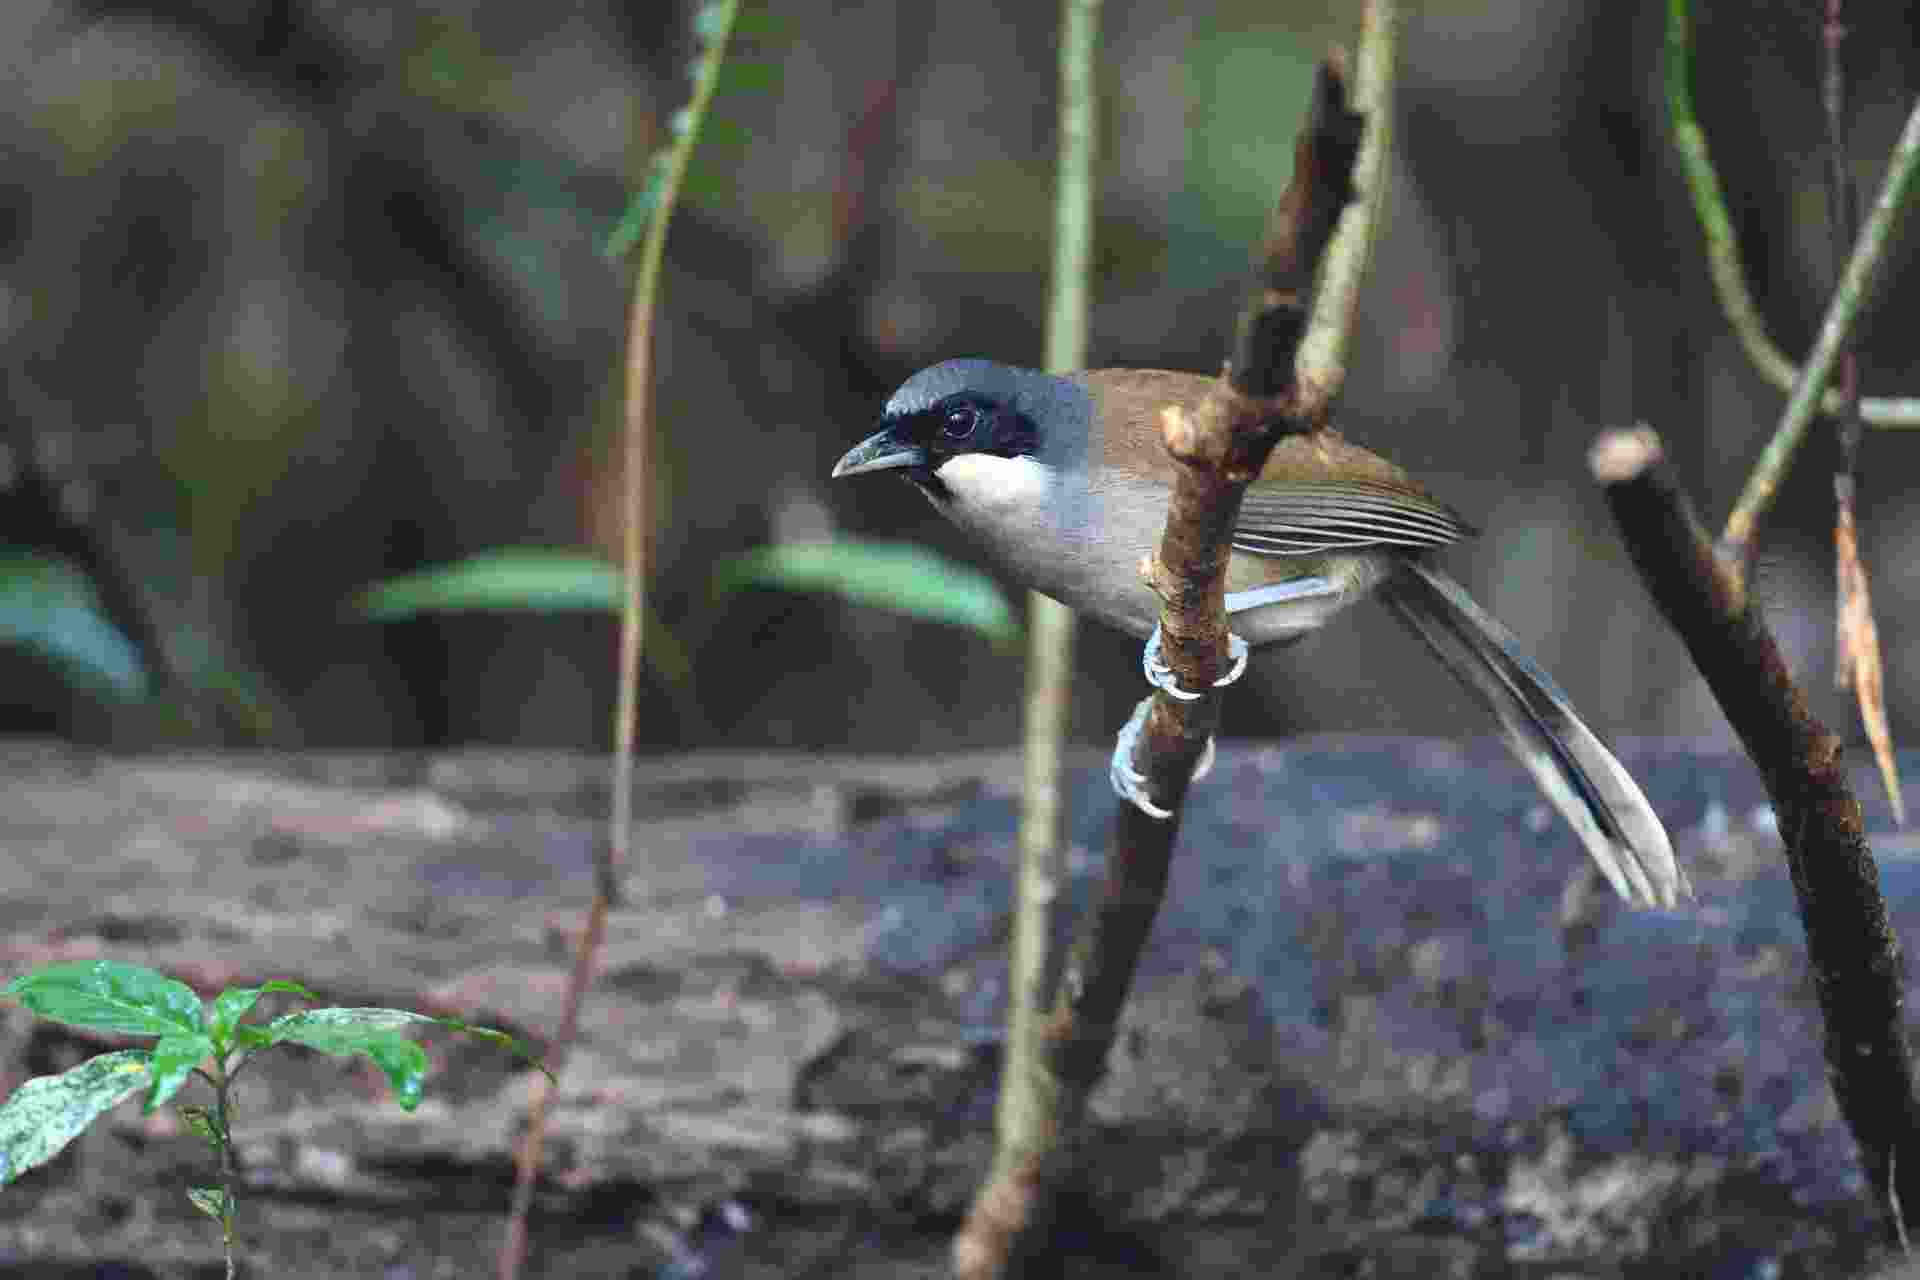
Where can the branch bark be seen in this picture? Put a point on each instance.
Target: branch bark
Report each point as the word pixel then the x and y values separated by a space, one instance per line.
pixel 1857 967
pixel 1264 393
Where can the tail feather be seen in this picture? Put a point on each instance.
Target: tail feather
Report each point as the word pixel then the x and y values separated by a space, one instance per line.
pixel 1572 767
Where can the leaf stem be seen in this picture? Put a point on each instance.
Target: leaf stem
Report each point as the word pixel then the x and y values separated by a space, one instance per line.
pixel 1724 263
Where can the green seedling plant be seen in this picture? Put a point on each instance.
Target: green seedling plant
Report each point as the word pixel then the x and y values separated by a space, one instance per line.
pixel 208 1040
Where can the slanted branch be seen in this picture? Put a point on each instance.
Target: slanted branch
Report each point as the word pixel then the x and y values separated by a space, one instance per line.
pixel 1309 266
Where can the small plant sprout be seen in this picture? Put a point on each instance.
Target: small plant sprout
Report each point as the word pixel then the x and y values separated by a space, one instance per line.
pixel 193 1039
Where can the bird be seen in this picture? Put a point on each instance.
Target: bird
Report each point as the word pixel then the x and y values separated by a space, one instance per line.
pixel 1063 481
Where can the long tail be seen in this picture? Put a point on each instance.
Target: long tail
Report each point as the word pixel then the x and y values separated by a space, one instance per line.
pixel 1572 766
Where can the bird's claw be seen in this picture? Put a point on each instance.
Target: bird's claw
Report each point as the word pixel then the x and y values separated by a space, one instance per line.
pixel 1161 676
pixel 1129 783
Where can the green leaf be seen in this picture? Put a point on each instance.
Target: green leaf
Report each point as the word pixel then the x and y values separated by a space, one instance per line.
pixel 702 185
pixel 172 1064
pixel 199 1121
pixel 377 1033
pixel 108 996
pixel 720 132
pixel 515 579
pixel 748 75
pixel 49 608
pixel 403 1062
pixel 517 1047
pixel 211 1201
pixel 898 576
pixel 373 1032
pixel 235 1003
pixel 47 1113
pixel 761 23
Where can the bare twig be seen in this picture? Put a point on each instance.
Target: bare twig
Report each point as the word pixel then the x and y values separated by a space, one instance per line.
pixel 1723 246
pixel 1221 448
pixel 1856 281
pixel 717 21
pixel 1856 637
pixel 1855 955
pixel 1026 1121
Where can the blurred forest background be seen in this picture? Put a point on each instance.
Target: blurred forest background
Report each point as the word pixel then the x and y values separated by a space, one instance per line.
pixel 300 294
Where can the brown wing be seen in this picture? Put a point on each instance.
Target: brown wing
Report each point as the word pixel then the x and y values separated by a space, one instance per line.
pixel 1317 493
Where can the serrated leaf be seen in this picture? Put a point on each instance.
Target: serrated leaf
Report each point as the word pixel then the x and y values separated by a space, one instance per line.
pixel 211 1201
pixel 236 1003
pixel 515 579
pixel 898 576
pixel 47 1113
pixel 106 995
pixel 49 608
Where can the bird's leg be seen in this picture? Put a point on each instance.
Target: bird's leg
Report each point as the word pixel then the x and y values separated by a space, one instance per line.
pixel 1160 675
pixel 1127 781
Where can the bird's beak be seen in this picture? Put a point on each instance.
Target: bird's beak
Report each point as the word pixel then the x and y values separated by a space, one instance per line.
pixel 878 452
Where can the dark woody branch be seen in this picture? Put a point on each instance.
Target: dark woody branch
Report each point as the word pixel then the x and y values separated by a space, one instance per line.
pixel 1221 448
pixel 1857 968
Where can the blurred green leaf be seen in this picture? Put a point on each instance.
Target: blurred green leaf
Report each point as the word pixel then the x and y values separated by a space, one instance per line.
pixel 522 580
pixel 47 1113
pixel 748 75
pixel 105 995
pixel 514 579
pixel 49 608
pixel 199 1122
pixel 760 22
pixel 211 1201
pixel 892 575
pixel 632 227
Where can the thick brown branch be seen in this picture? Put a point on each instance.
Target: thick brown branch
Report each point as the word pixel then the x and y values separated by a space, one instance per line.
pixel 1854 953
pixel 1275 317
pixel 1221 448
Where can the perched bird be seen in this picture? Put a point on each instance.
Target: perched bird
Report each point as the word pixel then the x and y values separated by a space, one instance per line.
pixel 1065 482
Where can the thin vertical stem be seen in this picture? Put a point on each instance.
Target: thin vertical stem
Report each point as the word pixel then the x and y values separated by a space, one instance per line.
pixel 715 23
pixel 1028 1093
pixel 1027 1120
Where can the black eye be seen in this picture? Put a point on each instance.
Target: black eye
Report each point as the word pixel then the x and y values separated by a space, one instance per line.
pixel 960 422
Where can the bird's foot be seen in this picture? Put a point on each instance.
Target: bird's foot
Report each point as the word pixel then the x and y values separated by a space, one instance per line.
pixel 1129 783
pixel 1161 676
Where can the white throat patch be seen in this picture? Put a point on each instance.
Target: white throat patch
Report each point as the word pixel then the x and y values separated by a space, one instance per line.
pixel 985 482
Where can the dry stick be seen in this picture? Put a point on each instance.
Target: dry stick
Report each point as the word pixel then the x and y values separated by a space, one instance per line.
pixel 611 854
pixel 1222 448
pixel 1723 247
pixel 1856 637
pixel 1851 946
